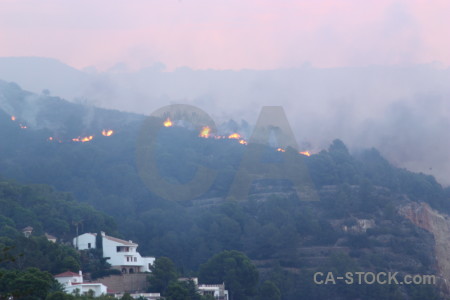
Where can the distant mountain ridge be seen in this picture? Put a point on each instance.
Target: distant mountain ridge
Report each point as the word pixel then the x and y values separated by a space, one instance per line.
pixel 36 74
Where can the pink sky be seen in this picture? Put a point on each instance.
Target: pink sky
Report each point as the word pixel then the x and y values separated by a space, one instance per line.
pixel 227 34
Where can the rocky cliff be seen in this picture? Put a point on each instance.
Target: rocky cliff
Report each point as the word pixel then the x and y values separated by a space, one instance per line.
pixel 422 215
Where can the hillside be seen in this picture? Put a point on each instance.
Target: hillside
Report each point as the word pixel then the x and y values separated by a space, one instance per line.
pixel 361 221
pixel 47 212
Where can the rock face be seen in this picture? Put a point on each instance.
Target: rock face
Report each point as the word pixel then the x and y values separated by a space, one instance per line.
pixel 422 215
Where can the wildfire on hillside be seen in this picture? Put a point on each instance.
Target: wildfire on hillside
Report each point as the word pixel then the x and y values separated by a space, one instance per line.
pixel 107 132
pixel 205 132
pixel 13 118
pixel 83 139
pixel 234 136
pixel 168 123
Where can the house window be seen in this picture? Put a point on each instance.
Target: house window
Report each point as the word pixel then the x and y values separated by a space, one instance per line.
pixel 135 259
pixel 122 249
pixel 131 271
pixel 89 245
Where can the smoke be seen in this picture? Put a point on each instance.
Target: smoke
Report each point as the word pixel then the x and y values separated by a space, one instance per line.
pixel 403 111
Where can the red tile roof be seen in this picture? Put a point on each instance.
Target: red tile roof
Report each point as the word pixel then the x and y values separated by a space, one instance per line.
pixel 67 274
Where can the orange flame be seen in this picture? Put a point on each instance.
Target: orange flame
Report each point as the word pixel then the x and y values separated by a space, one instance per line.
pixel 13 118
pixel 243 142
pixel 107 132
pixel 168 123
pixel 307 153
pixel 23 126
pixel 205 132
pixel 281 150
pixel 234 136
pixel 83 139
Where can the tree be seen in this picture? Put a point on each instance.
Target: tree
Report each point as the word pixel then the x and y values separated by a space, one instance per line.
pixel 268 291
pixel 5 256
pixel 186 290
pixel 59 296
pixel 193 291
pixel 126 296
pixel 99 242
pixel 177 291
pixel 163 272
pixel 235 269
pixel 25 284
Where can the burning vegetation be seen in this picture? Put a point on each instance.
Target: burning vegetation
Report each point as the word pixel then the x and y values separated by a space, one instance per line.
pixel 168 123
pixel 22 126
pixel 83 139
pixel 107 132
pixel 205 132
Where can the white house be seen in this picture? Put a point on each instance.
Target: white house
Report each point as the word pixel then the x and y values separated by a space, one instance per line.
pixel 27 231
pixel 66 277
pixel 50 238
pixel 121 254
pixel 218 291
pixel 73 282
pixel 147 296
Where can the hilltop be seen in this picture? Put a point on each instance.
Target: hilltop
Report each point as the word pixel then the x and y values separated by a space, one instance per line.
pixel 366 217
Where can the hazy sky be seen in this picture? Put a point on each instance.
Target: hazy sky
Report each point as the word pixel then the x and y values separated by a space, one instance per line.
pixel 227 34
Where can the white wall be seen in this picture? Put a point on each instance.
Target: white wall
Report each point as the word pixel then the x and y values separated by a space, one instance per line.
pixel 65 280
pixel 110 250
pixel 98 288
pixel 145 262
pixel 118 258
pixel 84 240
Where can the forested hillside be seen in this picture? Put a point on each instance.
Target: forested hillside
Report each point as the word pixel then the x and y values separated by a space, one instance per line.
pixel 46 211
pixel 355 225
